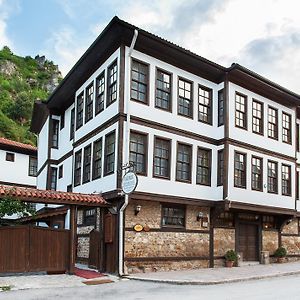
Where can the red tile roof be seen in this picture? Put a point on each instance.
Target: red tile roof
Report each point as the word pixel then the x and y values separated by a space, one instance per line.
pixel 18 147
pixel 52 197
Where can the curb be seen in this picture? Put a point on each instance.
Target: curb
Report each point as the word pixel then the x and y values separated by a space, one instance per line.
pixel 213 282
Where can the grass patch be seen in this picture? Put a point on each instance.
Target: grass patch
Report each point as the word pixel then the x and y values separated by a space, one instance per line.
pixel 5 288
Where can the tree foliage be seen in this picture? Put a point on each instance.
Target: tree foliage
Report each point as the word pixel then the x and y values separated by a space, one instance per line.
pixel 19 88
pixel 10 206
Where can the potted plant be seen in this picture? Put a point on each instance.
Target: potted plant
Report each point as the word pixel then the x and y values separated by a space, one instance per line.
pixel 280 254
pixel 230 258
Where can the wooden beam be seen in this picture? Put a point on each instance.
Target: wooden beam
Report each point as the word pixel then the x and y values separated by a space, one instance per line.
pixel 73 233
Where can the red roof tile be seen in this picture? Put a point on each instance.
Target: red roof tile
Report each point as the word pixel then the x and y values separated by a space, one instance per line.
pixel 16 145
pixel 53 197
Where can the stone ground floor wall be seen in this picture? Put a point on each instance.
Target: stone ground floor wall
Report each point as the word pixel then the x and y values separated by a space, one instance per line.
pixel 165 248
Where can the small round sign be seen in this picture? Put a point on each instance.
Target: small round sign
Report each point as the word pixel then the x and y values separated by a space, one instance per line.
pixel 138 227
pixel 129 182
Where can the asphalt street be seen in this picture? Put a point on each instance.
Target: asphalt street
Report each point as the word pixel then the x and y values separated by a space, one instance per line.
pixel 286 287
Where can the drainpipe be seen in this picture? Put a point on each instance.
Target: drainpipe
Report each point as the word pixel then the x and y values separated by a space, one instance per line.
pixel 126 155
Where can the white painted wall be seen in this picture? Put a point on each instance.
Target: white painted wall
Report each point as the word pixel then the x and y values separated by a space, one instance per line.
pixel 67 178
pixel 105 183
pixel 16 172
pixel 247 136
pixel 255 197
pixel 43 144
pixel 172 187
pixel 172 118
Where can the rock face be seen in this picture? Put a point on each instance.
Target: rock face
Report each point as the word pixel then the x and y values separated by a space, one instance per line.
pixel 7 68
pixel 53 82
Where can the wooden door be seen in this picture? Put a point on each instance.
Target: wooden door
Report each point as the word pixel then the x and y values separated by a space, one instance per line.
pixel 248 241
pixel 110 242
pixel 94 253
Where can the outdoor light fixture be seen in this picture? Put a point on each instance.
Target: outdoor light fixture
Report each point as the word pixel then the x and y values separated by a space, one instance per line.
pixel 137 209
pixel 200 216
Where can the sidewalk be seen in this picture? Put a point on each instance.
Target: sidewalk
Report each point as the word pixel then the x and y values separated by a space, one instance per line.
pixel 220 275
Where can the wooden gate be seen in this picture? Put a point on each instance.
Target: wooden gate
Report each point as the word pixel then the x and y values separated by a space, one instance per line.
pixel 33 249
pixel 94 253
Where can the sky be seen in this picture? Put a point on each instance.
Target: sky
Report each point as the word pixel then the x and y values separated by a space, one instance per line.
pixel 262 35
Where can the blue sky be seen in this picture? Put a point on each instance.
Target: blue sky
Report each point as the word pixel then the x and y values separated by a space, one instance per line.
pixel 261 35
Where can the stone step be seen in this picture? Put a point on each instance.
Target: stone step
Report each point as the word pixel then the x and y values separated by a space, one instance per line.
pixel 248 263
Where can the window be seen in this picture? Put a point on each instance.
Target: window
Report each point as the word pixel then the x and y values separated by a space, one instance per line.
pixel 286 128
pixel 240 170
pixel 89 216
pixel 55 132
pixel 272 177
pixel 220 167
pixel 112 83
pixel 100 90
pixel 184 162
pixel 109 161
pixel 240 111
pixel 286 180
pixel 163 90
pixel 97 159
pixel 72 124
pixel 268 222
pixel 69 188
pixel 162 155
pixel 225 219
pixel 32 166
pixel 61 171
pixel 185 98
pixel 87 164
pixel 221 108
pixel 272 123
pixel 139 81
pixel 173 216
pixel 62 120
pixel 138 152
pixel 89 96
pixel 10 157
pixel 79 118
pixel 205 105
pixel 257 174
pixel 77 168
pixel 257 117
pixel 203 166
pixel 53 178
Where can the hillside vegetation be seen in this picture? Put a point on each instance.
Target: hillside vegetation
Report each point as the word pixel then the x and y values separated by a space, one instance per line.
pixel 22 81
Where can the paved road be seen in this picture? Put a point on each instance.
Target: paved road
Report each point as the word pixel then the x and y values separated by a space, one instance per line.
pixel 287 287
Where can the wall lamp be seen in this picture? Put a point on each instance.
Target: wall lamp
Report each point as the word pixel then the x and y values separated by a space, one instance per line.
pixel 200 216
pixel 137 209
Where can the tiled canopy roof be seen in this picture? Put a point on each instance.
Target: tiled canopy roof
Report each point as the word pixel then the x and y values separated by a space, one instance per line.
pixel 18 147
pixel 51 197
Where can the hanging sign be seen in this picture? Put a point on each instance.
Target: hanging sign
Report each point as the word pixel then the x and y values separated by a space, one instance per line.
pixel 129 182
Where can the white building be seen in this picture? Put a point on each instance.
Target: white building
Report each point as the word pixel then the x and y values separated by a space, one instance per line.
pixel 216 151
pixel 18 163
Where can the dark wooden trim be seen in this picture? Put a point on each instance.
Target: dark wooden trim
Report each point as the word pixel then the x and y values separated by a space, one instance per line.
pixel 209 150
pixel 245 171
pixel 12 148
pixel 262 117
pixel 83 260
pixel 245 113
pixel 172 229
pixel 105 171
pixel 73 238
pixel 17 184
pixel 99 129
pixel 289 234
pixel 232 204
pixel 211 116
pixel 211 237
pixel 191 162
pixel 165 258
pixel 277 119
pixel 261 174
pixel 259 149
pixel 191 116
pixel 82 235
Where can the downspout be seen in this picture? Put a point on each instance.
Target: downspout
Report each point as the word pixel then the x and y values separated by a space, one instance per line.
pixel 126 156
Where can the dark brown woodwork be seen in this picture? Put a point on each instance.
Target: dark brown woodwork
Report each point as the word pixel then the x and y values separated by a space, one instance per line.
pixel 94 253
pixel 33 249
pixel 110 242
pixel 248 241
pixel 73 238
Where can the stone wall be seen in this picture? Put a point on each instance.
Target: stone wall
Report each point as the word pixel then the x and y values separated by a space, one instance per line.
pixel 224 240
pixel 83 240
pixel 291 228
pixel 187 248
pixel 292 244
pixel 269 240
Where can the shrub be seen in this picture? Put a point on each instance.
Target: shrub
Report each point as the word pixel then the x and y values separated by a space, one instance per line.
pixel 280 252
pixel 231 255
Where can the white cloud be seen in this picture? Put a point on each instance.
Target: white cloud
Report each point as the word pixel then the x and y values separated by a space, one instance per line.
pixel 64 48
